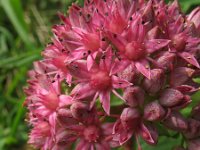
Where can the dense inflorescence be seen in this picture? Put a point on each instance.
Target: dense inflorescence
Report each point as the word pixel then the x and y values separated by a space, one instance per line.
pixel 115 71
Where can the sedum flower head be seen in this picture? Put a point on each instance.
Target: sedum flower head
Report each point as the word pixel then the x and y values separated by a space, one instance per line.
pixel 139 55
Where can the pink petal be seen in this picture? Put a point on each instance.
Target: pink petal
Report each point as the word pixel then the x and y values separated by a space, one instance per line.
pixel 52 122
pixel 79 69
pixel 105 100
pixel 146 135
pixel 155 44
pixel 90 61
pixel 74 15
pixel 141 33
pixel 56 87
pixel 189 58
pixel 82 144
pixel 125 136
pixel 82 90
pixel 75 55
pixel 119 83
pixel 119 66
pixel 65 100
pixel 143 67
pixel 105 63
pixel 69 79
pixel 104 145
pixel 94 100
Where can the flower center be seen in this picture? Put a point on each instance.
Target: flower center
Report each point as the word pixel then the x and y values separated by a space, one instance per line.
pixel 91 133
pixel 91 41
pixel 134 51
pixel 179 42
pixel 100 80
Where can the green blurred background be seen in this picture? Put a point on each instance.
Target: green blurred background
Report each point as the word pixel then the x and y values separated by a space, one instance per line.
pixel 25 28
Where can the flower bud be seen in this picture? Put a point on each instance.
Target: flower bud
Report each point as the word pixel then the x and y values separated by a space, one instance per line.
pixel 165 59
pixel 130 118
pixel 149 134
pixel 134 96
pixel 193 129
pixel 194 17
pixel 128 74
pixel 176 122
pixel 196 112
pixel 156 82
pixel 65 116
pixel 180 75
pixel 171 97
pixel 194 144
pixel 153 111
pixel 81 112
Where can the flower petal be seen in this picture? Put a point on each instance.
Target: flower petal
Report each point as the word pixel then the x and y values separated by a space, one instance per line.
pixel 118 66
pixel 105 100
pixel 189 58
pixel 143 67
pixel 82 90
pixel 90 61
pixel 150 135
pixel 155 44
pixel 119 83
pixel 65 100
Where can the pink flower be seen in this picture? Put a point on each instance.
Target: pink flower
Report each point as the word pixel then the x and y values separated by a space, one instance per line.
pixel 135 47
pixel 91 133
pixel 145 53
pixel 45 99
pixel 130 124
pixel 40 135
pixel 98 82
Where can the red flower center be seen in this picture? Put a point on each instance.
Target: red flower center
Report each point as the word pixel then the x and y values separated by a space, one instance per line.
pixel 91 133
pixel 135 51
pixel 100 80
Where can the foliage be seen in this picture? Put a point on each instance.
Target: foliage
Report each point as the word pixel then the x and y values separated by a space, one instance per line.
pixel 24 29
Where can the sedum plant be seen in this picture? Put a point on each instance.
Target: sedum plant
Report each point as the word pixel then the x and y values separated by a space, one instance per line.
pixel 115 72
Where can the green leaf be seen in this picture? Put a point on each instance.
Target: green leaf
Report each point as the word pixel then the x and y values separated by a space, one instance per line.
pixel 18 117
pixel 164 143
pixel 197 80
pixel 186 5
pixel 115 101
pixel 195 100
pixel 14 11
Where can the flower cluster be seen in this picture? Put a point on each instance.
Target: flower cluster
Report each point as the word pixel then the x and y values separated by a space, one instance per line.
pixel 141 55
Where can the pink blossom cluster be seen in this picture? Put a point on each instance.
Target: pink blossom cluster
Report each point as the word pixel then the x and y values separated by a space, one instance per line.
pixel 114 71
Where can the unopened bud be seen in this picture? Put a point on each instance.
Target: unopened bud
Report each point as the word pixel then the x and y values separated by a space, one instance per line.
pixel 156 82
pixel 130 118
pixel 176 121
pixel 134 96
pixel 149 134
pixel 171 97
pixel 153 111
